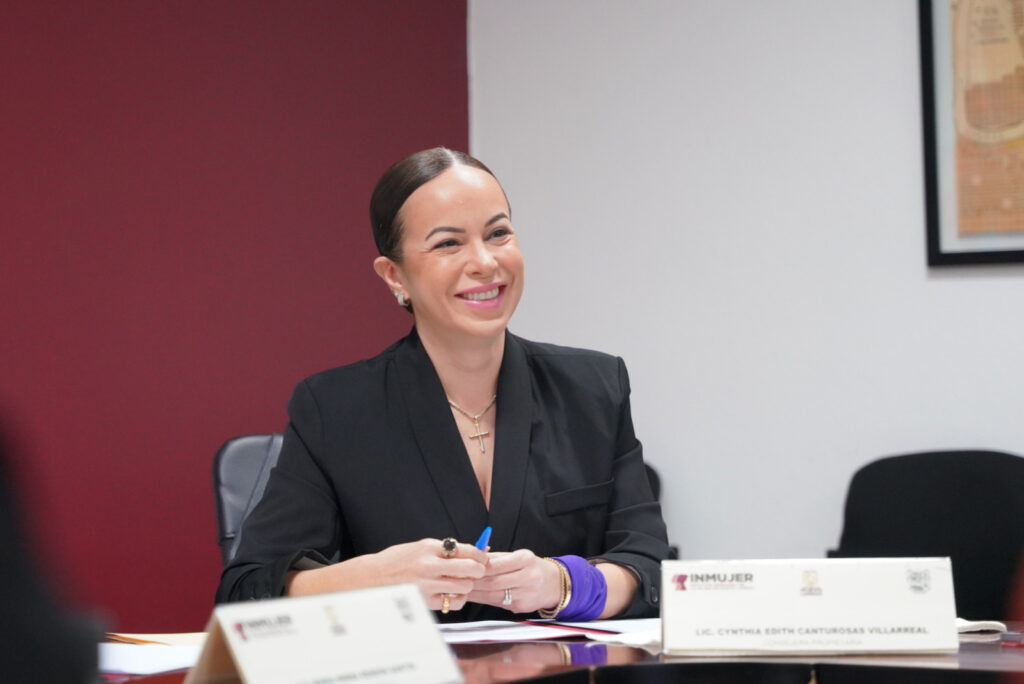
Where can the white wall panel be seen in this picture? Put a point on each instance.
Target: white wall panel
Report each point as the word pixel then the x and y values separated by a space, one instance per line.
pixel 729 196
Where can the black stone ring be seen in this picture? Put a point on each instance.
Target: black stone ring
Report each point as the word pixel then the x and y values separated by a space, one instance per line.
pixel 449 544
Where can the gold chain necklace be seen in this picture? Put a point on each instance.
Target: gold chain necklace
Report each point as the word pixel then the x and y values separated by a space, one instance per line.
pixel 480 434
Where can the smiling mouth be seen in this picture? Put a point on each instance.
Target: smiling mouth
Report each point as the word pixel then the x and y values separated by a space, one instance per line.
pixel 482 296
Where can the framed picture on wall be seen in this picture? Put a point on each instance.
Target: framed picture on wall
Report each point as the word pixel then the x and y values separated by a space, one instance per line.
pixel 972 79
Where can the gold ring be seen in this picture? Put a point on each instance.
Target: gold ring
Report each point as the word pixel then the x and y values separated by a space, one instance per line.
pixel 448 545
pixel 444 604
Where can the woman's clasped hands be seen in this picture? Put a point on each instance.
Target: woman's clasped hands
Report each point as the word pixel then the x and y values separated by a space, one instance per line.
pixel 448 573
pixel 518 581
pixel 444 571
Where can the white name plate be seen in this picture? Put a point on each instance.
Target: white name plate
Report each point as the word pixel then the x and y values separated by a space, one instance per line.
pixel 817 606
pixel 384 635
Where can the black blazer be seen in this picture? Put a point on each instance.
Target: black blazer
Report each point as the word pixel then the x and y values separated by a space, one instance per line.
pixel 372 457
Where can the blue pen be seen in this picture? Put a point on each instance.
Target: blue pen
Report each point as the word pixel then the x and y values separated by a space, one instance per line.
pixel 485 537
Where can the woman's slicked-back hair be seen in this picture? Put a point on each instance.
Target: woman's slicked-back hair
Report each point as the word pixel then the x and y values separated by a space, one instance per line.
pixel 400 181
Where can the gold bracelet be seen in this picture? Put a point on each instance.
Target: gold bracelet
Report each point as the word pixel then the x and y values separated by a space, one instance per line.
pixel 566 592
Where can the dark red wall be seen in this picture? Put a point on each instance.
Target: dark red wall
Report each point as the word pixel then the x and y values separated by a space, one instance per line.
pixel 183 207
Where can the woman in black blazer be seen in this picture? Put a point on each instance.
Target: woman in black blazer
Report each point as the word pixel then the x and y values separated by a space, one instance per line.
pixel 459 426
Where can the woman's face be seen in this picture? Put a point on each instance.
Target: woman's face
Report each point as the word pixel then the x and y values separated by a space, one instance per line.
pixel 461 266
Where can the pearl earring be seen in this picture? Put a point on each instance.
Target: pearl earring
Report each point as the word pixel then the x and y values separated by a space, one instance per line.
pixel 401 299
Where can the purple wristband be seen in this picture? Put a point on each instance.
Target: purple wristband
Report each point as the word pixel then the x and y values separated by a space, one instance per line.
pixel 589 590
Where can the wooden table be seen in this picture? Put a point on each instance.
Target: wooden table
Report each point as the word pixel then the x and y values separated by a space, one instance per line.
pixel 579 661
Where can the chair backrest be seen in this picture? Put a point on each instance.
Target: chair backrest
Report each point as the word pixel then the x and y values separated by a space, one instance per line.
pixel 240 471
pixel 968 505
pixel 655 481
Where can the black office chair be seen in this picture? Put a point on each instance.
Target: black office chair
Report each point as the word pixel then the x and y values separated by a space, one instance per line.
pixel 240 471
pixel 968 505
pixel 655 481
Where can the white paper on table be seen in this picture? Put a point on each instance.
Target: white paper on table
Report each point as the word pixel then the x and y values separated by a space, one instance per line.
pixel 642 633
pixel 498 630
pixel 144 659
pixel 979 626
pixel 631 632
pixel 180 639
pixel 633 626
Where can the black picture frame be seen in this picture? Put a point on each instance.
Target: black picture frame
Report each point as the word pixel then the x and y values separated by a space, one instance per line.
pixel 940 166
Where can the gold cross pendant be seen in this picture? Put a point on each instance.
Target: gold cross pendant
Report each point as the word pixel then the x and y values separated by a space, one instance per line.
pixel 480 434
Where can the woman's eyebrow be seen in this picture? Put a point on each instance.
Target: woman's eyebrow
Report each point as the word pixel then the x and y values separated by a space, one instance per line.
pixel 449 229
pixel 444 229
